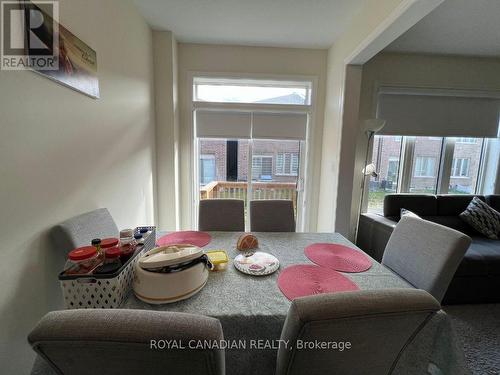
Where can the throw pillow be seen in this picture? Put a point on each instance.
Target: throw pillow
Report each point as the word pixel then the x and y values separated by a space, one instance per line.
pixel 482 218
pixel 405 212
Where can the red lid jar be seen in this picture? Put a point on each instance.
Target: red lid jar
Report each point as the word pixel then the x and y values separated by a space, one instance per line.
pixel 113 252
pixel 112 262
pixel 82 261
pixel 82 253
pixel 110 242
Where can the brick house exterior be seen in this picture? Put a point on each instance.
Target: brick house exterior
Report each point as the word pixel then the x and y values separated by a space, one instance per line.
pixel 217 150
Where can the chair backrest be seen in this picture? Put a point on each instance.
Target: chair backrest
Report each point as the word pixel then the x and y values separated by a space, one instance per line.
pixel 81 229
pixel 425 254
pixel 226 215
pixel 367 331
pixel 272 216
pixel 111 341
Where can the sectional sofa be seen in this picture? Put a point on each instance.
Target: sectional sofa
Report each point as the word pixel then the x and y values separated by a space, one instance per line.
pixel 477 279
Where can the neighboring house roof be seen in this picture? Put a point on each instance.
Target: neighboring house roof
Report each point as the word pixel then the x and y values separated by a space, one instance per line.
pixel 293 98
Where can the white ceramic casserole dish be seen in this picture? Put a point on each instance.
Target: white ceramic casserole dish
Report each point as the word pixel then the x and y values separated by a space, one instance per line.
pixel 171 273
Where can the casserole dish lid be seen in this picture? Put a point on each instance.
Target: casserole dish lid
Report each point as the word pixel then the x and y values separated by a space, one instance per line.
pixel 169 255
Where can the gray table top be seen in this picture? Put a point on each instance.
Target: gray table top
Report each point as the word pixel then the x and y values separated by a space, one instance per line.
pixel 252 307
pixel 231 292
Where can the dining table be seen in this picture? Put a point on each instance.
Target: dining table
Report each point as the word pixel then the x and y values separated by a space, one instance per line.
pixel 252 309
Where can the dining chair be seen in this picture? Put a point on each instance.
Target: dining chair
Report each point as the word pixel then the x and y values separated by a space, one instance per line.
pixel 425 254
pixel 366 331
pixel 225 215
pixel 272 216
pixel 121 342
pixel 80 230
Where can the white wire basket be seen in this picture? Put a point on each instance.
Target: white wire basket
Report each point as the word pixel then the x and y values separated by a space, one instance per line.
pixel 103 291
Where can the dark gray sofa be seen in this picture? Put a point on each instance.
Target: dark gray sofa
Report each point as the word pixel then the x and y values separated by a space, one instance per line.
pixel 477 279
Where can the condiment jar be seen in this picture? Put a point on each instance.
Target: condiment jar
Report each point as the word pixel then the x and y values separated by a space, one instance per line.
pixel 108 243
pixel 139 240
pixel 126 236
pixel 96 242
pixel 112 262
pixel 127 244
pixel 82 261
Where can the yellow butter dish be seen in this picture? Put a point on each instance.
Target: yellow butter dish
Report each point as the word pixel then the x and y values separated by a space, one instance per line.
pixel 218 258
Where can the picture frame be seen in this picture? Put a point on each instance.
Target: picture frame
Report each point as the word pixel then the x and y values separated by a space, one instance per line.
pixel 76 61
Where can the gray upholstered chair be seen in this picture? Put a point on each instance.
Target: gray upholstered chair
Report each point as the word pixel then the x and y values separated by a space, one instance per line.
pixel 81 229
pixel 83 342
pixel 425 254
pixel 378 324
pixel 272 216
pixel 225 215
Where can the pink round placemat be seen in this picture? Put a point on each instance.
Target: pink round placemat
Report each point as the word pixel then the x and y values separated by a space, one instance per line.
pixel 307 279
pixel 338 257
pixel 187 237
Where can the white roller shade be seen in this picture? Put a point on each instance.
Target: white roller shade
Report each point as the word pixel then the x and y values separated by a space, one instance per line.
pixel 279 126
pixel 222 124
pixel 438 115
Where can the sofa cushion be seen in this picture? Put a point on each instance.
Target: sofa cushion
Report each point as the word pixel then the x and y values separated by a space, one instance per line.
pixel 481 259
pixel 494 201
pixel 421 204
pixel 483 218
pixel 453 222
pixel 454 204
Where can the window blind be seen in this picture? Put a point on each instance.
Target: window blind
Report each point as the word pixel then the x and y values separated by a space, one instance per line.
pixel 279 126
pixel 222 124
pixel 420 114
pixel 241 125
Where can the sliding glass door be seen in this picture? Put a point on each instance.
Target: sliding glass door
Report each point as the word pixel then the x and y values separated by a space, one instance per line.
pixel 275 170
pixel 249 170
pixel 250 138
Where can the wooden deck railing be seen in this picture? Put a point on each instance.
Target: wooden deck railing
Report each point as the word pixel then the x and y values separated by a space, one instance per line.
pixel 260 190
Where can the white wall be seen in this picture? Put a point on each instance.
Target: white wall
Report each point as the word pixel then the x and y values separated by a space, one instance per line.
pixel 245 60
pixel 416 70
pixel 63 153
pixel 167 129
pixel 337 134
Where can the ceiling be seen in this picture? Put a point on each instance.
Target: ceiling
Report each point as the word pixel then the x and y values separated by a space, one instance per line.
pixel 274 23
pixel 457 27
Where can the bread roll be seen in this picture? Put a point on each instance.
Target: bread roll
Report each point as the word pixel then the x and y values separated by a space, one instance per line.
pixel 247 241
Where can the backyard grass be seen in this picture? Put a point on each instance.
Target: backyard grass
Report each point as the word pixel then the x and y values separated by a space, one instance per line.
pixel 376 201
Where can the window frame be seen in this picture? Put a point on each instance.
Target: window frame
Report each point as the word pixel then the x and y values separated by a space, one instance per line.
pixel 461 162
pixel 408 173
pixel 262 157
pixel 422 159
pixel 305 85
pixel 397 161
pixel 285 173
pixel 307 204
pixel 466 140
